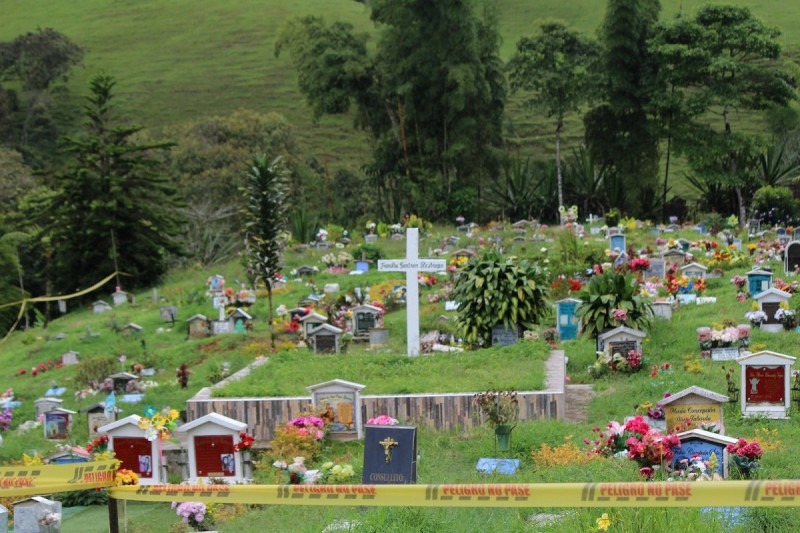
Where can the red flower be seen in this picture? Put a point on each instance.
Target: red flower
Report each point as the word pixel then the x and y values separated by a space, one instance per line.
pixel 293 326
pixel 22 371
pixel 574 285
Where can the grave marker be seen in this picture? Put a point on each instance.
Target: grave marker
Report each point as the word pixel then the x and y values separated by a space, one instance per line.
pixel 769 301
pixel 412 265
pixel 70 358
pixel 504 336
pixel 390 455
pixel 29 511
pixel 791 257
pixel 343 398
pixel 657 269
pixel 699 405
pixel 211 454
pixel 765 385
pixel 325 338
pixel 704 443
pixel 567 319
pixel 127 440
pixel 168 313
pixel 758 280
pixel 617 242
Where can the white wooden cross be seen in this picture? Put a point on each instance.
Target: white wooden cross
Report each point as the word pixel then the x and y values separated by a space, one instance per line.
pixel 412 265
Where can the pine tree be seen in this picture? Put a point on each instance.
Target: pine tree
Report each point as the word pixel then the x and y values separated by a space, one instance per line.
pixel 112 209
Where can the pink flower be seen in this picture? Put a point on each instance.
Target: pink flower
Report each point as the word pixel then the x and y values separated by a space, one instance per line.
pixel 646 472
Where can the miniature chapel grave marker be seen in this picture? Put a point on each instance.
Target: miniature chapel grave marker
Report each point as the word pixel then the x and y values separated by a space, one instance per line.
pixel 697 404
pixel 766 384
pixel 343 399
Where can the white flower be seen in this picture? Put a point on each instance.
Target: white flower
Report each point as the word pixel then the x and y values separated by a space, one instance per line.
pixel 311 477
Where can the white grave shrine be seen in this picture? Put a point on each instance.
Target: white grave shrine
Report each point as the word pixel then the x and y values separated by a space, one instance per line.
pixel 694 270
pixel 211 440
pixel 766 384
pixel 45 405
pixel 127 440
pixel 343 398
pixel 412 265
pixel 100 307
pixel 621 340
pixel 310 322
pixel 769 301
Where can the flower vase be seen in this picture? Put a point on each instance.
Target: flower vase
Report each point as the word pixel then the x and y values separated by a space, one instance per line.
pixel 502 435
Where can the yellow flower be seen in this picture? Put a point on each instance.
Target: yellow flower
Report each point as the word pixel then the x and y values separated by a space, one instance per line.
pixel 144 423
pixel 174 414
pixel 603 522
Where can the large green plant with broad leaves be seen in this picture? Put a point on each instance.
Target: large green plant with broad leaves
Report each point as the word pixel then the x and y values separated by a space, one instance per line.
pixel 495 290
pixel 608 291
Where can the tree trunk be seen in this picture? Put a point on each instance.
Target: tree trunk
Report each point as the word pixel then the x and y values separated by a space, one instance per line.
pixel 559 125
pixel 271 325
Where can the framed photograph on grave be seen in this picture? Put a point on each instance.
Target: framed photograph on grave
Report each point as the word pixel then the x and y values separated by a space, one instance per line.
pixel 343 406
pixel 390 455
pixel 56 425
pixel 621 347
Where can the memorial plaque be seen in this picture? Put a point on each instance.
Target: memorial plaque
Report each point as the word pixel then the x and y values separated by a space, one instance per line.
pixel 502 336
pixel 500 466
pixel 657 269
pixel 765 384
pixel 56 425
pixel 724 354
pixel 621 347
pixel 704 448
pixel 325 343
pixel 168 314
pixel 390 455
pixel 698 413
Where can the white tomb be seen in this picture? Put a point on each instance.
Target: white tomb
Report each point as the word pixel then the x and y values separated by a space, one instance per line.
pixel 211 453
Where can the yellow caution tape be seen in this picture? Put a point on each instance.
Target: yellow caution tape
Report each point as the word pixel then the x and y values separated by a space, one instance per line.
pixel 655 494
pixel 55 298
pixel 16 481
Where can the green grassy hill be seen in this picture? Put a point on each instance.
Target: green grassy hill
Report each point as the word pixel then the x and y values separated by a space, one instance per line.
pixel 177 60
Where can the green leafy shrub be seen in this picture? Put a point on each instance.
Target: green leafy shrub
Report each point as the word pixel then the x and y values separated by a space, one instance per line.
pixel 98 369
pixel 775 206
pixel 606 292
pixel 371 252
pixel 495 290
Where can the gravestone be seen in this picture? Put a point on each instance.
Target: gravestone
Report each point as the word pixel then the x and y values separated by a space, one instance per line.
pixel 57 423
pixel 134 451
pixel 70 358
pixel 504 336
pixel 100 307
pixel 616 242
pixel 697 404
pixel 412 265
pixel 362 266
pixel 390 455
pixel 131 329
pixel 621 340
pixel 657 269
pixel 694 270
pixel 198 326
pixel 45 405
pixel 29 511
pixel 753 227
pixel 684 244
pixel 343 399
pixel 119 298
pixel 325 338
pixel 791 258
pixel 758 280
pixel 331 288
pixel 3 519
pixel 309 322
pixel 365 317
pixel 306 270
pixel 662 309
pixel 211 439
pixel 168 313
pixel 673 256
pixel 703 443
pixel 614 230
pixel 769 301
pixel 378 337
pixel 121 380
pixel 765 384
pixel 97 416
pixel 567 319
pixel 686 299
pixel 240 321
pixel 371 239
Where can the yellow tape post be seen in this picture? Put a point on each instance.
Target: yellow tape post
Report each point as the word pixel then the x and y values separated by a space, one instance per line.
pixel 655 494
pixel 18 481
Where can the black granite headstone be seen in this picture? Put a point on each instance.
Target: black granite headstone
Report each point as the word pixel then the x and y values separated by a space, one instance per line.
pixel 390 455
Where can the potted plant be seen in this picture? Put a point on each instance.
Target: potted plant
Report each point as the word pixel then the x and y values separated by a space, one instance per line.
pixel 500 409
